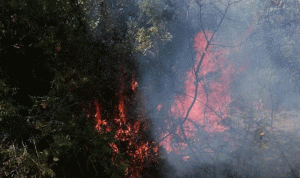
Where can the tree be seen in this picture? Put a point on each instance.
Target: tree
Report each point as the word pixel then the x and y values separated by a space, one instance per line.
pixel 93 77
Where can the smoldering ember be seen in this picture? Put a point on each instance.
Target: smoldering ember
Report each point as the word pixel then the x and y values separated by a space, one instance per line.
pixel 150 88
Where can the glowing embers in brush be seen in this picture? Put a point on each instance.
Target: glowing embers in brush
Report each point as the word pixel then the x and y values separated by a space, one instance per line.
pixel 129 134
pixel 141 152
pixel 134 84
pixel 100 122
pixel 136 127
pixel 186 158
pixel 122 135
pixel 122 111
pixel 114 147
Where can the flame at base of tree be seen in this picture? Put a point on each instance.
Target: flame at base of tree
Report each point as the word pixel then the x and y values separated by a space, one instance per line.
pixel 128 134
pixel 213 96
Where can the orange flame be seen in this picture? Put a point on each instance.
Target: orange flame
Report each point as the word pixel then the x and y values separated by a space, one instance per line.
pixel 186 158
pixel 97 115
pixel 134 84
pixel 128 133
pixel 213 95
pixel 114 148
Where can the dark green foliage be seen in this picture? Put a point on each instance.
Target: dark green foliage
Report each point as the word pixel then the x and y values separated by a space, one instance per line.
pixel 49 71
pixel 16 127
pixel 81 151
pixel 39 136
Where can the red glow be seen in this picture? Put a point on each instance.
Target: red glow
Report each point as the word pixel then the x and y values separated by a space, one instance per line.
pixel 186 158
pixel 114 148
pixel 159 106
pixel 134 84
pixel 128 133
pixel 213 92
pixel 97 116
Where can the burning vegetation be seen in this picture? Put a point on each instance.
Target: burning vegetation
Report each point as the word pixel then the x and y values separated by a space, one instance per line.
pixel 150 88
pixel 212 95
pixel 129 134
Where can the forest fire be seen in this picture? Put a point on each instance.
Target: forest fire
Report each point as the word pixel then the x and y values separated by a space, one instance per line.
pixel 213 95
pixel 126 133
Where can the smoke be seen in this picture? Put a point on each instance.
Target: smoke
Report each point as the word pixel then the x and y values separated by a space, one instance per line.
pixel 247 82
pixel 243 119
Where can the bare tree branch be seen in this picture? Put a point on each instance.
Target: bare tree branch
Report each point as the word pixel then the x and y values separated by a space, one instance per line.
pixel 198 68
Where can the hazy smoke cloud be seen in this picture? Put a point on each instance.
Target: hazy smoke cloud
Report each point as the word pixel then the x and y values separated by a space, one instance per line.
pixel 261 39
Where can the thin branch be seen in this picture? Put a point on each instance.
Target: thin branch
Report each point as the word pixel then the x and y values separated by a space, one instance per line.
pixel 180 123
pixel 34 142
pixel 233 46
pixel 188 143
pixel 198 69
pixel 196 88
pixel 201 22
